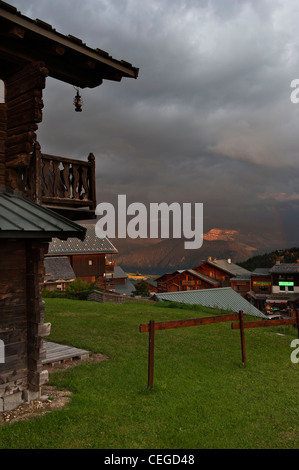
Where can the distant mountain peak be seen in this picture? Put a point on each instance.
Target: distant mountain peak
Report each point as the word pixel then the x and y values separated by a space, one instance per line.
pixel 220 234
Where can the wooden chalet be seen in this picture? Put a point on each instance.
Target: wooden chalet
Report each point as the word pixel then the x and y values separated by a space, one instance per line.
pixel 91 258
pixel 241 284
pixel 221 270
pixel 58 273
pixel 40 195
pixel 260 287
pixel 151 285
pixel 285 286
pixel 184 280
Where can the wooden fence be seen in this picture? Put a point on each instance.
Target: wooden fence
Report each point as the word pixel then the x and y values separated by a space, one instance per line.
pixel 153 326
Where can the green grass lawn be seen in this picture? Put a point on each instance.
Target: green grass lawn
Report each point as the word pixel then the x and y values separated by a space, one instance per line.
pixel 203 397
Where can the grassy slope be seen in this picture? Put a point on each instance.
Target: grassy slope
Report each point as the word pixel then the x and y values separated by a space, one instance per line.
pixel 203 397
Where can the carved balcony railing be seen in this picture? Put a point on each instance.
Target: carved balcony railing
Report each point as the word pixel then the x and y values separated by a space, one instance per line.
pixel 66 181
pixel 61 184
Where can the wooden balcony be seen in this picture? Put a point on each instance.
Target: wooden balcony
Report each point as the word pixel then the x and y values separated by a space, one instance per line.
pixel 109 268
pixel 188 283
pixel 69 185
pixel 64 185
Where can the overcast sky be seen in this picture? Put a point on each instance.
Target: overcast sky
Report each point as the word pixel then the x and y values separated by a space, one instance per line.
pixel 210 117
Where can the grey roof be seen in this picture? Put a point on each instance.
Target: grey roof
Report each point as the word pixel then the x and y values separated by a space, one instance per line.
pixel 261 271
pixel 229 267
pixel 223 297
pixel 119 273
pixel 125 288
pixel 285 268
pixel 23 218
pixel 241 277
pixel 91 244
pixel 58 268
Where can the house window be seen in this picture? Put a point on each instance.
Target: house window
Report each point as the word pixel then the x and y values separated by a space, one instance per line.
pixel 263 289
pixel 283 288
pixel 90 262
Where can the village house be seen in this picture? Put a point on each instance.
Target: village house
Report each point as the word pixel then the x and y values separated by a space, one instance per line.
pixel 285 286
pixel 221 270
pixel 91 259
pixel 151 285
pixel 209 274
pixel 40 195
pixel 241 284
pixel 58 273
pixel 260 287
pixel 121 283
pixel 183 280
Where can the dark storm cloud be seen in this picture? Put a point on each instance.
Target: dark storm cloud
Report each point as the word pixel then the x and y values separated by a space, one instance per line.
pixel 208 120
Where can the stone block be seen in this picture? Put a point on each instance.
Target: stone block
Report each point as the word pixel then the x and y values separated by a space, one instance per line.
pixel 10 402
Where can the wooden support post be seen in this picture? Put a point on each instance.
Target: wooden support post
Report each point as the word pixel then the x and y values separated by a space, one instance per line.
pixel 151 353
pixel 92 181
pixel 242 335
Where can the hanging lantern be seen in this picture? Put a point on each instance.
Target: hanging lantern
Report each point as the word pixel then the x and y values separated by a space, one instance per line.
pixel 78 102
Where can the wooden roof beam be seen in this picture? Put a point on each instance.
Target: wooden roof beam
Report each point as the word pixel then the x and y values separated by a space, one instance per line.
pixel 38 30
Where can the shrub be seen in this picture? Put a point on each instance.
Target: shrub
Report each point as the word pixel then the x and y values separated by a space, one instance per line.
pixel 142 290
pixel 76 290
pixel 79 289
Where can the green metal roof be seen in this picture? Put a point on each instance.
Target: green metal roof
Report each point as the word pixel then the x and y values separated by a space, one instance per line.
pixel 23 218
pixel 223 297
pixel 91 244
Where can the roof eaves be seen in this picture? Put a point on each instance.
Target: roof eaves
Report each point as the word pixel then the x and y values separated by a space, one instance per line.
pixel 46 30
pixel 24 211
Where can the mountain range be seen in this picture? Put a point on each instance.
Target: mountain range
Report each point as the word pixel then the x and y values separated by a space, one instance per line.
pixel 157 256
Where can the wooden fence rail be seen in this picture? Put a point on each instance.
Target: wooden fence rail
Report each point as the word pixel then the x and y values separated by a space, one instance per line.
pixel 153 326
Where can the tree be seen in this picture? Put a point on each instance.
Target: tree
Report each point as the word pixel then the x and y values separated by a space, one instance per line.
pixel 141 289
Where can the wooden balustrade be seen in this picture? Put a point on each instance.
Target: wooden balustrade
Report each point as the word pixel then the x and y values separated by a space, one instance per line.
pixel 68 182
pixel 64 185
pixel 188 283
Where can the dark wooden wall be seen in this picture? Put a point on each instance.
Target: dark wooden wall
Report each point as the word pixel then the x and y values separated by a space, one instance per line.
pixel 2 142
pixel 24 106
pixel 87 272
pixel 13 317
pixel 22 326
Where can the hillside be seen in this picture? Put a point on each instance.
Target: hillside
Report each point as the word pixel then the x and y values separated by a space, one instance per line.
pixel 267 260
pixel 156 256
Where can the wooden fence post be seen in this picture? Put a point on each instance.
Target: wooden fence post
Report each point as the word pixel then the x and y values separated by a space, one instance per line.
pixel 151 344
pixel 242 335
